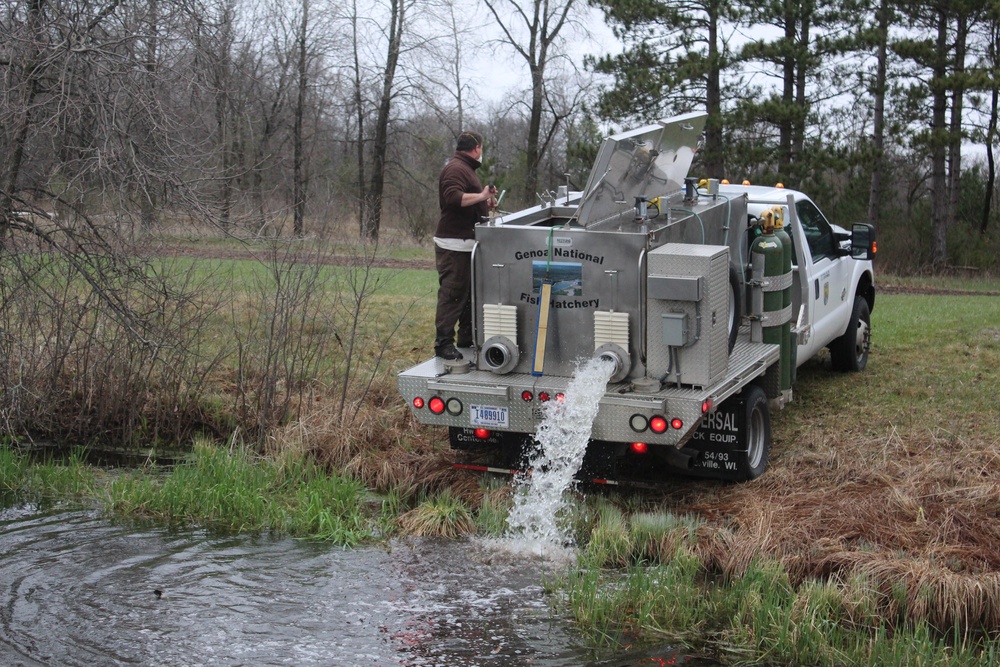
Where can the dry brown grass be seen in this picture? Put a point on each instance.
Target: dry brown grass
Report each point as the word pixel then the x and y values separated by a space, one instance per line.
pixel 913 511
pixel 384 447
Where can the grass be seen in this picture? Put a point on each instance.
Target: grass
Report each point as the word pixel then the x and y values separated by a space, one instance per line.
pixel 233 491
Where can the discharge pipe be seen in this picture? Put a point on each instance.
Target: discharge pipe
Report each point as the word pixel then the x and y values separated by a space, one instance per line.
pixel 618 357
pixel 500 354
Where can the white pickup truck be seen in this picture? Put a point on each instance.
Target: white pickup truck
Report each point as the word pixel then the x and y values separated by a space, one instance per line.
pixel 703 310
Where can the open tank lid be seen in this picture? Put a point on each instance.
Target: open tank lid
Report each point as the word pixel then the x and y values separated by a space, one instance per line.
pixel 646 162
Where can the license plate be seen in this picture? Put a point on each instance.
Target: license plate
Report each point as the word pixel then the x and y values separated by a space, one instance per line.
pixel 487 415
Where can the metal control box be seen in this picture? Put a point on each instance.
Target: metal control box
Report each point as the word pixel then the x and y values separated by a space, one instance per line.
pixel 687 308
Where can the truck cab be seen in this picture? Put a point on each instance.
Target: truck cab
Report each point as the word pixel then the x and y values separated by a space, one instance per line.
pixel 833 284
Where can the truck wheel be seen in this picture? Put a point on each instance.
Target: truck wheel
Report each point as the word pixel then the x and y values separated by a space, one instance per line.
pixel 735 306
pixel 757 435
pixel 849 353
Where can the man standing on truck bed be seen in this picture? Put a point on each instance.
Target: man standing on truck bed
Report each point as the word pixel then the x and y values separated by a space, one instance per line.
pixel 464 202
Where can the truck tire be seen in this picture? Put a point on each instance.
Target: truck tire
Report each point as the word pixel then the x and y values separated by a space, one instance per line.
pixel 849 353
pixel 752 462
pixel 735 306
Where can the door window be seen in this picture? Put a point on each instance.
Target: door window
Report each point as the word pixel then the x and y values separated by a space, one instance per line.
pixel 817 231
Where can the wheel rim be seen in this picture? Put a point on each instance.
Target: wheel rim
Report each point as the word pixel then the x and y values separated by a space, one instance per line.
pixel 755 438
pixel 862 341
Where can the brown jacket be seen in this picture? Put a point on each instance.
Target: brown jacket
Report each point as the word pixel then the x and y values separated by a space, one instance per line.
pixel 457 178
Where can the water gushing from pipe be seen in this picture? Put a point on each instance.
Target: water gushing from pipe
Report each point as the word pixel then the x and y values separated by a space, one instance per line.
pixel 537 519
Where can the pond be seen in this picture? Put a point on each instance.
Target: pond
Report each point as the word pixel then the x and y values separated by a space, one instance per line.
pixel 77 589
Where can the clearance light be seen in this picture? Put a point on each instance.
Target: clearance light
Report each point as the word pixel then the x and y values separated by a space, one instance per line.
pixel 638 423
pixel 639 447
pixel 482 433
pixel 658 424
pixel 874 247
pixel 454 406
pixel 526 396
pixel 779 185
pixel 724 181
pixel 543 396
pixel 676 423
pixel 418 403
pixel 706 405
pixel 746 182
pixel 436 405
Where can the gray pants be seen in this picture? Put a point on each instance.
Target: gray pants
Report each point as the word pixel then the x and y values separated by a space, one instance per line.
pixel 454 304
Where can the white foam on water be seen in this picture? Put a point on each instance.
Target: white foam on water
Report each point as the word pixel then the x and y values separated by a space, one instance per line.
pixel 536 523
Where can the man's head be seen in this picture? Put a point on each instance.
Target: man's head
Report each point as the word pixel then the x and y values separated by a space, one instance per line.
pixel 468 142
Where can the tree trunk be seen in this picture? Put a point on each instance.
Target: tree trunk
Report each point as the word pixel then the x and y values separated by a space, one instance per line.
pixel 991 132
pixel 714 160
pixel 955 136
pixel 878 134
pixel 360 110
pixel 27 90
pixel 787 94
pixel 372 220
pixel 298 177
pixel 939 146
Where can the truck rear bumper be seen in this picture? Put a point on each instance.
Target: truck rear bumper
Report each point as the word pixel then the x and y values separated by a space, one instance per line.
pixel 517 400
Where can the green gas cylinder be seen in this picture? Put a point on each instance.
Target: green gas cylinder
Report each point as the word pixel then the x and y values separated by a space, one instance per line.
pixel 787 344
pixel 768 251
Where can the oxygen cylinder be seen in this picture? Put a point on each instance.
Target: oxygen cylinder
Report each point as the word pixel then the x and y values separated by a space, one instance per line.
pixel 768 251
pixel 787 344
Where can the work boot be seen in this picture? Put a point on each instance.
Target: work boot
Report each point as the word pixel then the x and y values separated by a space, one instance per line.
pixel 464 343
pixel 448 352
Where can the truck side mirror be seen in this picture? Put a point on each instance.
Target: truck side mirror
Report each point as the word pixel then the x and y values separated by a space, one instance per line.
pixel 863 245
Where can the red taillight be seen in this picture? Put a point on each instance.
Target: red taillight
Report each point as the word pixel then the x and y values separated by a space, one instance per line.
pixel 676 423
pixel 436 405
pixel 482 433
pixel 706 405
pixel 543 396
pixel 418 403
pixel 560 396
pixel 526 396
pixel 640 447
pixel 657 424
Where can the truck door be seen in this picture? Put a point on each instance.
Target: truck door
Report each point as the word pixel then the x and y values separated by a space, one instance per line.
pixel 829 278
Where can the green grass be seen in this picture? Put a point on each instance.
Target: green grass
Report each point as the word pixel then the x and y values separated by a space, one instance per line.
pixel 23 479
pixel 234 491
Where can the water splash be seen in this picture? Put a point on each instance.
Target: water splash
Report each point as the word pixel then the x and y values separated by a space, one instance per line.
pixel 537 520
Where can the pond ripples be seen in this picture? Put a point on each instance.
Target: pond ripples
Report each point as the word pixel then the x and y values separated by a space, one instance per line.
pixel 76 589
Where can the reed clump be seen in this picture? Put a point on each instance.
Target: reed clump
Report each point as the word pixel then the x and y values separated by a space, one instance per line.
pixel 440 515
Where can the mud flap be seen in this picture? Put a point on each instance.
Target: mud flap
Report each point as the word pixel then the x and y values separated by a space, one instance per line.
pixel 719 441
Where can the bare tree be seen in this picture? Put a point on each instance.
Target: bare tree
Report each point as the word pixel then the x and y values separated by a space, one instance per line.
pixel 533 28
